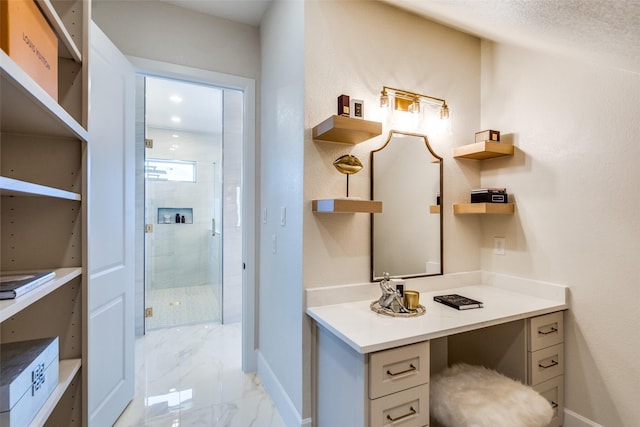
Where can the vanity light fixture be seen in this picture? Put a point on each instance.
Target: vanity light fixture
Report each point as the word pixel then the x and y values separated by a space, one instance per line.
pixel 404 100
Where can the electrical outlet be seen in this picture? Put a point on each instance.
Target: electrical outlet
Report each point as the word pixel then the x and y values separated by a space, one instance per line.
pixel 499 245
pixel 274 244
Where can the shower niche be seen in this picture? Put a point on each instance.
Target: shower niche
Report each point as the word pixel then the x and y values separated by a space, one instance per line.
pixel 175 215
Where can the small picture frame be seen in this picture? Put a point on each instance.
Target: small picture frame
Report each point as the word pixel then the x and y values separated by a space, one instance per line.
pixel 356 108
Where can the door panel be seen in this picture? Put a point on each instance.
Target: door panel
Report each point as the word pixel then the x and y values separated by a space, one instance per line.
pixel 110 236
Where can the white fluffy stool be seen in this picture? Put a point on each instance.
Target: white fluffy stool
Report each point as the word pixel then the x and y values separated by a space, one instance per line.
pixel 474 396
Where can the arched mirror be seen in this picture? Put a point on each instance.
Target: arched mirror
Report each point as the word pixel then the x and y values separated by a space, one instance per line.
pixel 406 238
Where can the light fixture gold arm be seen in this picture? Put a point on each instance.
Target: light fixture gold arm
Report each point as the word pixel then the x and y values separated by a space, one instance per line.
pixel 409 101
pixel 411 95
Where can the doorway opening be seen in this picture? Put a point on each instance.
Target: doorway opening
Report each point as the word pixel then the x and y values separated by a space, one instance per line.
pixel 193 203
pixel 237 206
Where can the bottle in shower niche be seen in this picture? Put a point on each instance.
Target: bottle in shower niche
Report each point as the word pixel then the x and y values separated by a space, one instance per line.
pixel 177 218
pixel 182 219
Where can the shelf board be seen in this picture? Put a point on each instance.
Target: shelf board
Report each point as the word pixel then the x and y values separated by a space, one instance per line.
pixel 29 109
pixel 483 150
pixel 70 48
pixel 434 209
pixel 68 368
pixel 483 208
pixel 10 307
pixel 346 206
pixel 14 187
pixel 346 130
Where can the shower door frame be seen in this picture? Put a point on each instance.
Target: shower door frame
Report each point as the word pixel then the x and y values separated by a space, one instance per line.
pixel 151 68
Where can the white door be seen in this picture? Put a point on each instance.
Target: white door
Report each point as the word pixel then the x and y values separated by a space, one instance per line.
pixel 109 367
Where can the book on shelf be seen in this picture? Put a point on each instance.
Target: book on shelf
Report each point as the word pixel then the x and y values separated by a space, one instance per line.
pixel 458 301
pixel 15 284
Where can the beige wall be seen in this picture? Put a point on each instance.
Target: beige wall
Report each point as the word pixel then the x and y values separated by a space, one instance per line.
pixel 574 179
pixel 163 32
pixel 355 48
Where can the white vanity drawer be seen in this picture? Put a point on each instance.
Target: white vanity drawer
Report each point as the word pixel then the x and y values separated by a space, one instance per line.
pixel 398 369
pixel 407 408
pixel 545 364
pixel 545 331
pixel 553 391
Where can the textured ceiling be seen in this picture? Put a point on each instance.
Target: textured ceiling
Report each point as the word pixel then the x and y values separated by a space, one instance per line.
pixel 592 30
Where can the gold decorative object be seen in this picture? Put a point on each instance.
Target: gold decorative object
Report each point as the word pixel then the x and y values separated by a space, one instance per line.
pixel 348 165
pixel 411 299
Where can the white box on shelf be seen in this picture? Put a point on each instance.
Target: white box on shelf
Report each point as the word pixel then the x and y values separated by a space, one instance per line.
pixel 28 376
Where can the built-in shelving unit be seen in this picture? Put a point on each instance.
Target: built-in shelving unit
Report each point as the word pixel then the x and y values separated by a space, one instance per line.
pixel 346 130
pixel 483 208
pixel 43 217
pixel 346 206
pixel 483 150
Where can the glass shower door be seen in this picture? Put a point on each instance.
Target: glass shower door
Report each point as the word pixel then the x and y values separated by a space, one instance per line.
pixel 183 204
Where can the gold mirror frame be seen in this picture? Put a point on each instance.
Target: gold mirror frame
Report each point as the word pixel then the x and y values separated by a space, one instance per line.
pixel 399 237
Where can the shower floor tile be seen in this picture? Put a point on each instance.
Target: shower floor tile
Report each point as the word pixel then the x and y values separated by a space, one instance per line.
pixel 180 306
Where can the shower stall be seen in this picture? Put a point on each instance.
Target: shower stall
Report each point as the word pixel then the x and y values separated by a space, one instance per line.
pixel 193 232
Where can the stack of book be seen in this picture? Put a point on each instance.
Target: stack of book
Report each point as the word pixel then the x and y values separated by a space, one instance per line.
pixel 15 284
pixel 458 301
pixel 489 195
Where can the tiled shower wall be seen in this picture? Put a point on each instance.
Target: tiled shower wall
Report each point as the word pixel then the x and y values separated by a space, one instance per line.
pixel 182 255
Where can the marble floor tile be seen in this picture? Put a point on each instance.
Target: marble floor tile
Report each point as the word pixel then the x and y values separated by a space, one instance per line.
pixel 192 376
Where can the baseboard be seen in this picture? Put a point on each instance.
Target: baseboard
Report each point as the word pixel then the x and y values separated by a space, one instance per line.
pixel 571 419
pixel 278 395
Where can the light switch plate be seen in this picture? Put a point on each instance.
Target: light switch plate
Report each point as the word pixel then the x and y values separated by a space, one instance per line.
pixel 499 244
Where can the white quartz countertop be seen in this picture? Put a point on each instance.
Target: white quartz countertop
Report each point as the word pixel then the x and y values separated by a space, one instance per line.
pixel 366 331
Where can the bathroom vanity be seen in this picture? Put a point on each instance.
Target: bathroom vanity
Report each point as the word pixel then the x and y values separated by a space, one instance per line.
pixel 373 370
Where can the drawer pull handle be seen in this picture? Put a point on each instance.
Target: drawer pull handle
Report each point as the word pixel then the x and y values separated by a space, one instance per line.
pixel 393 374
pixel 402 417
pixel 552 330
pixel 553 363
pixel 554 405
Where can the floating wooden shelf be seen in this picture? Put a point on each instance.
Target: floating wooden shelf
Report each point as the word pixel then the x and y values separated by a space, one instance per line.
pixel 483 150
pixel 483 208
pixel 434 209
pixel 346 130
pixel 347 206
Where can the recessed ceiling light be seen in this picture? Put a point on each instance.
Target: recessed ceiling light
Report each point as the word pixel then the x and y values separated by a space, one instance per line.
pixel 176 119
pixel 176 98
pixel 175 135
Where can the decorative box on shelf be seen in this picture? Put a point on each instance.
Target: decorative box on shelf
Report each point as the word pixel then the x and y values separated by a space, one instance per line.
pixel 28 376
pixel 30 42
